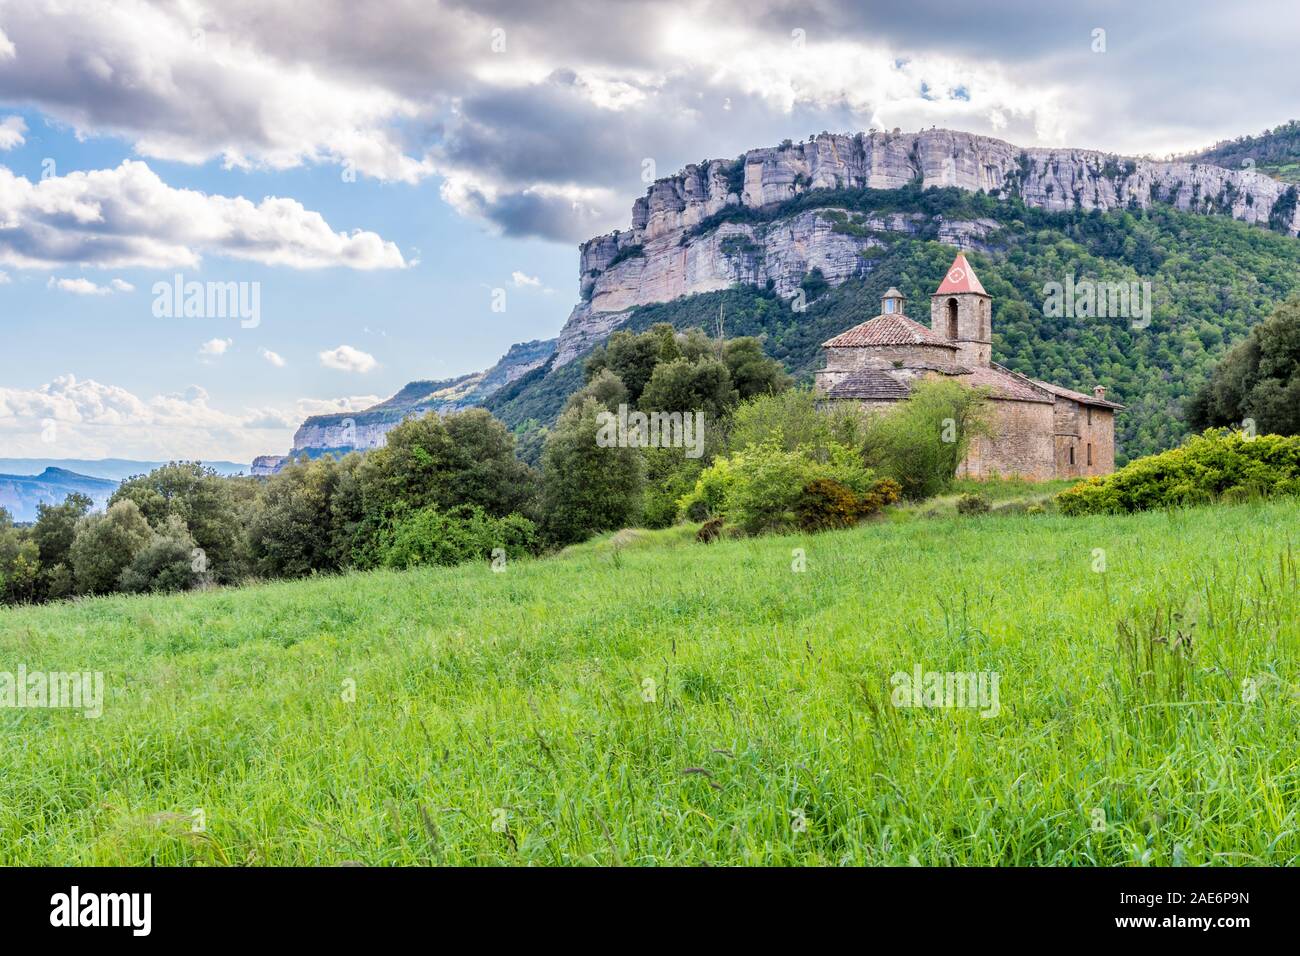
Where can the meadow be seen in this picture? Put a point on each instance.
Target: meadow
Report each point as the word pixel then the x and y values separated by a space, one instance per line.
pixel 643 699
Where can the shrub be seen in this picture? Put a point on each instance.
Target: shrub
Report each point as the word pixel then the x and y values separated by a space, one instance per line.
pixel 766 487
pixel 794 420
pixel 710 531
pixel 973 505
pixel 826 504
pixel 921 441
pixel 105 544
pixel 709 496
pixel 586 488
pixel 1216 465
pixel 166 563
pixel 466 533
pixel 884 492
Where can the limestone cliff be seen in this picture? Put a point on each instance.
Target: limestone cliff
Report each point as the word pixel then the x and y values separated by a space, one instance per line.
pixel 363 430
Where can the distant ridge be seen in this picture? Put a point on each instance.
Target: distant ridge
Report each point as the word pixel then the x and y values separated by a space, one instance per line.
pixel 26 483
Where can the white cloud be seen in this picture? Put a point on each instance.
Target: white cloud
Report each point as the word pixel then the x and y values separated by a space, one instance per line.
pixel 329 406
pixel 522 280
pixel 216 347
pixel 4 278
pixel 347 359
pixel 12 129
pixel 83 286
pixel 195 81
pixel 128 217
pixel 71 418
pixel 272 357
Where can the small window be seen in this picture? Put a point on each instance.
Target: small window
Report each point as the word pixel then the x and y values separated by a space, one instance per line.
pixel 1072 454
pixel 952 318
pixel 889 305
pixel 1089 414
pixel 1089 454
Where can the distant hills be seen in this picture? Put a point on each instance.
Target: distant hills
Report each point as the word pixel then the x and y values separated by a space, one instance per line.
pixel 28 482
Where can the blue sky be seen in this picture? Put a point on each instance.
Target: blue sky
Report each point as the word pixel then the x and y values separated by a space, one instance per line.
pixel 379 169
pixel 430 320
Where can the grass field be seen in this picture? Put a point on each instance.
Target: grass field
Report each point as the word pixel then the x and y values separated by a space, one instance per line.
pixel 1148 712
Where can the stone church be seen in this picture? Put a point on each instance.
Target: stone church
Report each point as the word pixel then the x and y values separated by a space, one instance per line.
pixel 1038 430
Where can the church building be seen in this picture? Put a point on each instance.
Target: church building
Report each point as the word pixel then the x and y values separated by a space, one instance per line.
pixel 1039 430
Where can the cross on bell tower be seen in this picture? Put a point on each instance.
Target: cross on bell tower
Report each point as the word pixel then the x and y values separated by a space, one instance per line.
pixel 962 312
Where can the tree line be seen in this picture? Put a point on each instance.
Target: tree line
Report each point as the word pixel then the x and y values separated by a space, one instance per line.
pixel 449 489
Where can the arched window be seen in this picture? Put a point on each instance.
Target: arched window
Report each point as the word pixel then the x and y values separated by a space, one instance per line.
pixel 952 318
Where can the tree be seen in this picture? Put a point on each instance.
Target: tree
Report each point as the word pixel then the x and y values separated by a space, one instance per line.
pixel 684 386
pixel 752 372
pixel 1259 379
pixel 291 533
pixel 56 525
pixel 921 440
pixel 586 488
pixel 202 499
pixel 633 357
pixel 465 458
pixel 166 563
pixel 606 388
pixel 20 567
pixel 105 544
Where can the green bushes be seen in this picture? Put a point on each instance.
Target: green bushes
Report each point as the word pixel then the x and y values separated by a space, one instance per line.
pixel 921 441
pixel 826 504
pixel 766 488
pixel 973 505
pixel 465 533
pixel 1216 465
pixel 168 562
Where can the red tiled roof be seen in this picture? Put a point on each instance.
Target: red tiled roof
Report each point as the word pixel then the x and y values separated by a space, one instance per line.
pixel 1007 385
pixel 960 278
pixel 892 329
pixel 1079 397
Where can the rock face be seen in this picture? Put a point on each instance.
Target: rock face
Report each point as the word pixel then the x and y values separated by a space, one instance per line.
pixel 264 465
pixel 363 430
pixel 673 248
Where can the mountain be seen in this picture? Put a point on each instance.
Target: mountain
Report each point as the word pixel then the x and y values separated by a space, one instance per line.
pixel 115 469
pixel 347 431
pixel 832 222
pixel 20 494
pixel 27 482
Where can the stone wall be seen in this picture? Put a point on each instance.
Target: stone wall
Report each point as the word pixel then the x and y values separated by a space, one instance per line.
pixel 1083 430
pixel 1021 444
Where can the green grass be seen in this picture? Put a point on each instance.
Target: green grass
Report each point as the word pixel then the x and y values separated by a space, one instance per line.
pixel 522 691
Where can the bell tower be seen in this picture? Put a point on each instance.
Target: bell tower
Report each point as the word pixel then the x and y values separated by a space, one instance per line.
pixel 962 312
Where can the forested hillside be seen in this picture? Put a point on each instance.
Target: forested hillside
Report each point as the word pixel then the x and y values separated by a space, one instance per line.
pixel 1274 151
pixel 1211 280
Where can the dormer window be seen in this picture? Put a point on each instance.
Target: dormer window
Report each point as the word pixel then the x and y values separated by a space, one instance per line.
pixel 890 306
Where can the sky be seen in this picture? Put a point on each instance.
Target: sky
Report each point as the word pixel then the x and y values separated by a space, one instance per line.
pixel 374 177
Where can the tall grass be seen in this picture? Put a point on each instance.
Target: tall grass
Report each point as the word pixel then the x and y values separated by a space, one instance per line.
pixel 1148 711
